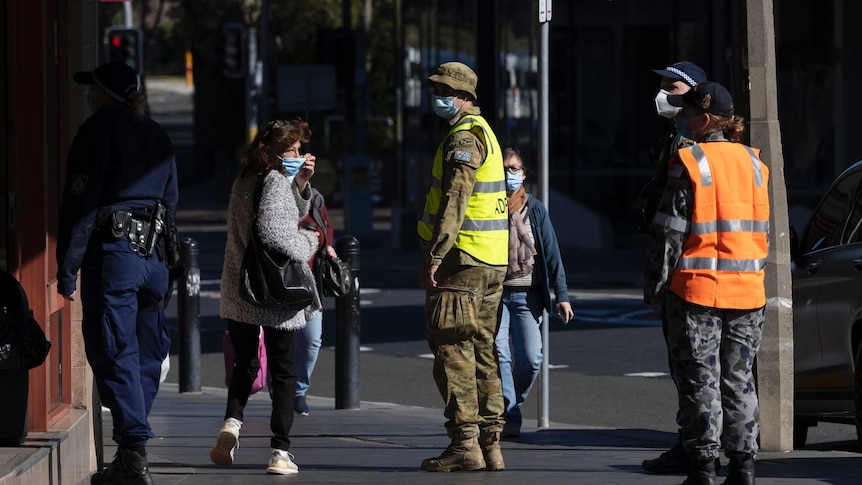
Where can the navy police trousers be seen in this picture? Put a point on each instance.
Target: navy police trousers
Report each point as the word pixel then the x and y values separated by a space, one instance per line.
pixel 125 335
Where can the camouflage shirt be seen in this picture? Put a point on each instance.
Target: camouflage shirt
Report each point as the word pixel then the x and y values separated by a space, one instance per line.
pixel 648 199
pixel 664 245
pixel 459 177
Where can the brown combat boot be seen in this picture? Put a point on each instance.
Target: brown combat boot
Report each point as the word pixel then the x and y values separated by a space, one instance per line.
pixel 490 443
pixel 463 454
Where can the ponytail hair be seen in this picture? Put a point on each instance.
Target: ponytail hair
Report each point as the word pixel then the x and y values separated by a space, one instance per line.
pixel 733 127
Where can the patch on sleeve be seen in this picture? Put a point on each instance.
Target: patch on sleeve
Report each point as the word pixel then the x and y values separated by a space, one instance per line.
pixel 78 184
pixel 462 155
pixel 675 170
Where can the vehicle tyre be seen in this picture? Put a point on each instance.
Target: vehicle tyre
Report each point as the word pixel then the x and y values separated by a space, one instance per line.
pixel 800 432
pixel 857 394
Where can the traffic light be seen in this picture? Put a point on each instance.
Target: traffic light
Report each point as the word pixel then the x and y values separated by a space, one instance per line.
pixel 125 44
pixel 235 50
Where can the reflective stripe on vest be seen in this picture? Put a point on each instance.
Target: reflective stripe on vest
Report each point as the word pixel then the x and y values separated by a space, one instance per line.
pixel 484 233
pixel 724 254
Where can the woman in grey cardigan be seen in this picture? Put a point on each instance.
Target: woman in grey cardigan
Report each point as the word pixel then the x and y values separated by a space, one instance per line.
pixel 274 154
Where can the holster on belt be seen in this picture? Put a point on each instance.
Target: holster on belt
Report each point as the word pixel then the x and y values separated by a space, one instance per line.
pixel 143 233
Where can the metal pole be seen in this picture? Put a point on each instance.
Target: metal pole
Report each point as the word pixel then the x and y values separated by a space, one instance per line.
pixel 127 13
pixel 189 312
pixel 544 385
pixel 253 89
pixel 263 50
pixel 347 330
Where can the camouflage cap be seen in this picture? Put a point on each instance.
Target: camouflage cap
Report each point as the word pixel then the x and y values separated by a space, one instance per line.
pixel 457 76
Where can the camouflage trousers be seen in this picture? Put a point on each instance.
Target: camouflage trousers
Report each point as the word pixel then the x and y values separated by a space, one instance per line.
pixel 712 352
pixel 462 315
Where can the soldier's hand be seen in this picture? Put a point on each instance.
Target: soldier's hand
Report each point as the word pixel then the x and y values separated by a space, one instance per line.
pixel 426 276
pixel 70 297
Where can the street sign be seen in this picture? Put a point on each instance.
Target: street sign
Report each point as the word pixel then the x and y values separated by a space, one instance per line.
pixel 545 11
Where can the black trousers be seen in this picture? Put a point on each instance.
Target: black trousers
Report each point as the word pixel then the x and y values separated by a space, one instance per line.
pixel 281 363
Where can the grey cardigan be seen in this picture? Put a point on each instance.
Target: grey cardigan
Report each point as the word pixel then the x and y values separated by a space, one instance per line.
pixel 281 208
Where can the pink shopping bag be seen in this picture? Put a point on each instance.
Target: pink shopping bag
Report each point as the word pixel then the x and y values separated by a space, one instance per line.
pixel 227 347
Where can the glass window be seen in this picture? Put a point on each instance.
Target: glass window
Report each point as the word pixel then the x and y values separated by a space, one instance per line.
pixel 853 227
pixel 829 220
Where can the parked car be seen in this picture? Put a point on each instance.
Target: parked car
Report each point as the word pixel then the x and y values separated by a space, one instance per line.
pixel 827 309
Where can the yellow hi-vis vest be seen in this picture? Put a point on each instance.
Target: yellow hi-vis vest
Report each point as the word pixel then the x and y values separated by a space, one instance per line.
pixel 484 234
pixel 723 257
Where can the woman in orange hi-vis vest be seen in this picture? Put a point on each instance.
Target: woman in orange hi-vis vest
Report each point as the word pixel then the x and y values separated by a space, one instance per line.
pixel 708 258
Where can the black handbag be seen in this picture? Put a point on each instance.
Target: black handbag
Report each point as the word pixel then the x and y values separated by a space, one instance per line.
pixel 335 276
pixel 332 275
pixel 269 279
pixel 23 344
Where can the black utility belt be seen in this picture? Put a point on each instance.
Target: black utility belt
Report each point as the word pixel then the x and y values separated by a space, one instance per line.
pixel 142 234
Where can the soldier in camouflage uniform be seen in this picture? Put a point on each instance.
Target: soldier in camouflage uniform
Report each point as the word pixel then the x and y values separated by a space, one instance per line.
pixel 465 229
pixel 677 78
pixel 714 294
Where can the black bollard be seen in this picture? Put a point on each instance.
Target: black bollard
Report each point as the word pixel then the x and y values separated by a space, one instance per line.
pixel 347 330
pixel 189 312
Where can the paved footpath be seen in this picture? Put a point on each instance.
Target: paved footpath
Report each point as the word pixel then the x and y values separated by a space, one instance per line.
pixel 384 443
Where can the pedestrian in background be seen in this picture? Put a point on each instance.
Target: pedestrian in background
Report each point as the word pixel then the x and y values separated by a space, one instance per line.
pixel 275 155
pixel 119 199
pixel 707 258
pixel 677 78
pixel 465 229
pixel 310 338
pixel 534 268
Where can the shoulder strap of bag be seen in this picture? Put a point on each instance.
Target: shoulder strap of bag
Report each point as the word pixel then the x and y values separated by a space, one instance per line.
pixel 317 214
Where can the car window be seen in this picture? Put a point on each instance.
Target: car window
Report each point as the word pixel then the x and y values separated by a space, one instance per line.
pixel 828 221
pixel 853 227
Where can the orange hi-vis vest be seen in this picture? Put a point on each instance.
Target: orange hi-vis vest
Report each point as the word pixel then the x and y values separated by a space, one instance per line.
pixel 724 255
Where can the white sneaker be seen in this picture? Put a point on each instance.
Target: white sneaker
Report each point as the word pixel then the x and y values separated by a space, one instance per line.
pixel 226 443
pixel 281 463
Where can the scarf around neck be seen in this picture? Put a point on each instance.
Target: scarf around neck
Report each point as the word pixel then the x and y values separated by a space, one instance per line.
pixel 521 247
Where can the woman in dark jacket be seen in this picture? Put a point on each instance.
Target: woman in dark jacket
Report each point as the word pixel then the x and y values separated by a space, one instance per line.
pixel 534 266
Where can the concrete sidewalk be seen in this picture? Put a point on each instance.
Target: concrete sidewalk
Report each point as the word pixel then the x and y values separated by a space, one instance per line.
pixel 384 443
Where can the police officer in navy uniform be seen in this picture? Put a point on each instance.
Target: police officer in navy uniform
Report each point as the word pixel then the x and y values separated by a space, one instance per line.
pixel 119 200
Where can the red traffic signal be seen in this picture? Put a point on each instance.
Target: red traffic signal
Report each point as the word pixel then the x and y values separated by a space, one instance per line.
pixel 125 44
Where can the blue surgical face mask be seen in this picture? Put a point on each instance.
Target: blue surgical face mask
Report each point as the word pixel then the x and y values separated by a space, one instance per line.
pixel 444 106
pixel 292 165
pixel 514 181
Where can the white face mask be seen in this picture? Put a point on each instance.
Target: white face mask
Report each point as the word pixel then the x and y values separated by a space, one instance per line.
pixel 663 108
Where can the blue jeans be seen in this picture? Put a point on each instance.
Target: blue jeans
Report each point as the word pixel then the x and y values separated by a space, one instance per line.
pixel 519 340
pixel 308 342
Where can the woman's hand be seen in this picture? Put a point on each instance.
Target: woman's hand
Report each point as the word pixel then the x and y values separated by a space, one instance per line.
pixel 564 311
pixel 331 251
pixel 305 173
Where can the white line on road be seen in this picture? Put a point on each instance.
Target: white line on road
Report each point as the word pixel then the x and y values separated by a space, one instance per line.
pixel 646 374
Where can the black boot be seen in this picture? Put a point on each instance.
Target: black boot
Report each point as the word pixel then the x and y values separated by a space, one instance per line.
pixel 700 473
pixel 128 468
pixel 673 461
pixel 741 469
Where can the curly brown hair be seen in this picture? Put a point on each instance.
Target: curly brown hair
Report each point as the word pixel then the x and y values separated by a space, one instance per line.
pixel 261 155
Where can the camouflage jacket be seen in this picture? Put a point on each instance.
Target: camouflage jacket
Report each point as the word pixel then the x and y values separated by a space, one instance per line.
pixel 659 157
pixel 664 245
